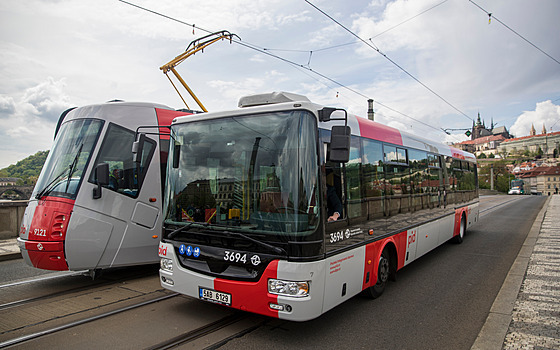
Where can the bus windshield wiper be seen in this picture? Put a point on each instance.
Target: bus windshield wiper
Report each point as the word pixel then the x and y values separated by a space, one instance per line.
pixel 181 229
pixel 277 250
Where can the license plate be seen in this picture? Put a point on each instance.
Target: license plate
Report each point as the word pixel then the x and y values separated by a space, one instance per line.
pixel 214 296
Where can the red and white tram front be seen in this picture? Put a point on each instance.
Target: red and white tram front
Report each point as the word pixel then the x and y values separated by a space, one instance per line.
pixel 92 206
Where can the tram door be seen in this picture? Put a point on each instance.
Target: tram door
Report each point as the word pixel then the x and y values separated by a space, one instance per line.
pixel 116 223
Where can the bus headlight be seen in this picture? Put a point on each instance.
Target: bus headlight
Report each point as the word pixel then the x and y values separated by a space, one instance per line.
pixel 166 264
pixel 289 288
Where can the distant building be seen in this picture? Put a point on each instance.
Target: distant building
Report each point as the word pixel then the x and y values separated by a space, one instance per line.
pixel 484 140
pixel 542 180
pixel 9 181
pixel 548 143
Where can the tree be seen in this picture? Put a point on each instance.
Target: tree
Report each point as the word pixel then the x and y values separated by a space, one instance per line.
pixel 482 156
pixel 491 155
pixel 27 169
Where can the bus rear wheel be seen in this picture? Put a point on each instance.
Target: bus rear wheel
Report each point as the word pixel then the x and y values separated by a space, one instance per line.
pixel 462 229
pixel 383 272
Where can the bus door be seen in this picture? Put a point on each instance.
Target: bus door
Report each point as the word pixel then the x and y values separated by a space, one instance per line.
pixel 115 221
pixel 344 204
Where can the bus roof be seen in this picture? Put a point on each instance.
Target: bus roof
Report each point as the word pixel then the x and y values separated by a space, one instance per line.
pixel 359 126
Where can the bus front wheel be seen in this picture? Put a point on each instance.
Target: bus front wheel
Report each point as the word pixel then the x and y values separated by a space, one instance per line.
pixel 383 272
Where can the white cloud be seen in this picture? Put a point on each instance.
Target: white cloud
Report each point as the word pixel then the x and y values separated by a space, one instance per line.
pixel 546 113
pixel 65 53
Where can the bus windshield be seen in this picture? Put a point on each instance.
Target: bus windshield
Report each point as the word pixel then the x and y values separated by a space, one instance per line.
pixel 63 170
pixel 248 174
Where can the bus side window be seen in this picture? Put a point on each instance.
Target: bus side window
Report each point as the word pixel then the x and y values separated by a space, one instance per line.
pixel 352 180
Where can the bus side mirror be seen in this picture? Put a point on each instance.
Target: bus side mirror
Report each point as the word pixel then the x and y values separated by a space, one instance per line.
pixel 340 144
pixel 137 148
pixel 102 176
pixel 176 156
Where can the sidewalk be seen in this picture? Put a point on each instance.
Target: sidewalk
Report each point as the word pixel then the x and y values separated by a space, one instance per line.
pixel 9 249
pixel 526 312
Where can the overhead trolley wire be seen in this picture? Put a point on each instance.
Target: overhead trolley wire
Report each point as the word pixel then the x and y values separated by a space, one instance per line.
pixel 297 65
pixel 492 17
pixel 375 48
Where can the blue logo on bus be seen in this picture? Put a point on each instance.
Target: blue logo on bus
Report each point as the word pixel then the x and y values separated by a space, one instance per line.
pixel 189 251
pixel 196 252
pixel 182 249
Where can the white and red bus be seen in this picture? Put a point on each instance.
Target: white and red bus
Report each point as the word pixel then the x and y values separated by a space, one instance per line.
pixel 92 206
pixel 252 195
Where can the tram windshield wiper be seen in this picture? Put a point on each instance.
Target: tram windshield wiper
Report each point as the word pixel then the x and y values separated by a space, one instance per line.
pixel 277 250
pixel 52 185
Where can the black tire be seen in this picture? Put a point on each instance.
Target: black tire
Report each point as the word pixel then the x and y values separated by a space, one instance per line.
pixel 462 229
pixel 383 273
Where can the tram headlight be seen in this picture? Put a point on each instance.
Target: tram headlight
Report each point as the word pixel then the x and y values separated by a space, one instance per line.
pixel 166 264
pixel 289 288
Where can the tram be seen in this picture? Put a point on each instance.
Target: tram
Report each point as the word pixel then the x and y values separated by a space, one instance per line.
pixel 286 208
pixel 93 207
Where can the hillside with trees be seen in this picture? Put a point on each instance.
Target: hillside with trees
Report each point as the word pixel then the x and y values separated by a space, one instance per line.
pixel 27 169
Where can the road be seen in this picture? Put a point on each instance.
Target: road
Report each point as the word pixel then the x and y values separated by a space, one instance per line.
pixel 439 301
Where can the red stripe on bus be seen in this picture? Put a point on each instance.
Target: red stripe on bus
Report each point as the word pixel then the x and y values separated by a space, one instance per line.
pixel 251 296
pixel 379 132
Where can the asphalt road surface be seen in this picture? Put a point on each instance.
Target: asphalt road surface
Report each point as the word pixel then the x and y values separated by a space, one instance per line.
pixel 438 302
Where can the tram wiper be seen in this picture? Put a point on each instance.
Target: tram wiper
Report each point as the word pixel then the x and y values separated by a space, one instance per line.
pixel 49 188
pixel 277 250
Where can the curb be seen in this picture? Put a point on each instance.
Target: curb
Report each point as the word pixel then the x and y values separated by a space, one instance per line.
pixel 10 256
pixel 494 330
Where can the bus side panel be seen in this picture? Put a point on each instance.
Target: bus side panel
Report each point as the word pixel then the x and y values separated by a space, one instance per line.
pixel 305 308
pixel 343 276
pixel 447 228
pixel 428 236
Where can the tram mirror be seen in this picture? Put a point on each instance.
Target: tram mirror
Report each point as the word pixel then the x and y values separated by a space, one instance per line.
pixel 102 178
pixel 137 148
pixel 340 144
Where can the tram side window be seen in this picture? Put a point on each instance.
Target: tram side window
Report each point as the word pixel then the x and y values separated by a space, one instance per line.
pixel 124 175
pixel 373 177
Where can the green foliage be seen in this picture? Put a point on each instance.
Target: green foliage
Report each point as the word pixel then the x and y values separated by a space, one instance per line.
pixel 482 156
pixel 501 176
pixel 27 169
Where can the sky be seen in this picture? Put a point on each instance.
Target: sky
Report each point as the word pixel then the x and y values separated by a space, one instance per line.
pixel 427 64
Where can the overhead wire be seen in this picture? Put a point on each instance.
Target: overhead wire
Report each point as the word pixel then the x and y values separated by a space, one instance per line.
pixel 297 65
pixel 492 17
pixel 375 48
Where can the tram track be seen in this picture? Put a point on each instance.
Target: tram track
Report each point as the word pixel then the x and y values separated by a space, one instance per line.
pixel 90 284
pixel 53 330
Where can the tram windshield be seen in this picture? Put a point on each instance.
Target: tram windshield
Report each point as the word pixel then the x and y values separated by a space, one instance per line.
pixel 63 170
pixel 247 174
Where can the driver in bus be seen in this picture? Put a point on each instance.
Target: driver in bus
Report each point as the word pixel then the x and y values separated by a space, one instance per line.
pixel 334 205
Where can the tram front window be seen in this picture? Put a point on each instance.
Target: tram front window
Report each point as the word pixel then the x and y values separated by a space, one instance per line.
pixel 253 174
pixel 63 170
